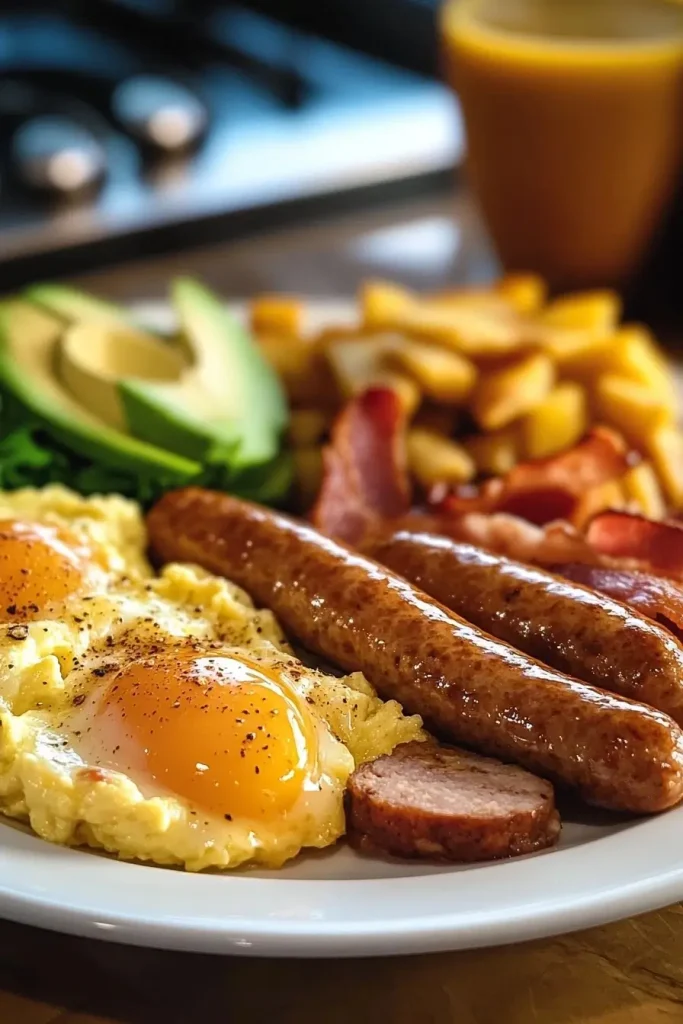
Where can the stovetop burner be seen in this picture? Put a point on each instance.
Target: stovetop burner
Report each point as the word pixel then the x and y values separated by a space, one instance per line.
pixel 137 124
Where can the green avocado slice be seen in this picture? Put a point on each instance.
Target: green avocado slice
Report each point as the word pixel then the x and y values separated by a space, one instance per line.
pixel 28 341
pixel 71 305
pixel 228 407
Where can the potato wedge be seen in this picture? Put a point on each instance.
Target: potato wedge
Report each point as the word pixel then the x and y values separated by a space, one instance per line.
pixel 277 314
pixel 361 362
pixel 635 354
pixel 435 459
pixel 557 422
pixel 665 446
pixel 526 293
pixel 308 427
pixel 592 311
pixel 442 375
pixel 382 304
pixel 304 372
pixel 629 406
pixel 609 495
pixel 642 488
pixel 507 394
pixel 495 454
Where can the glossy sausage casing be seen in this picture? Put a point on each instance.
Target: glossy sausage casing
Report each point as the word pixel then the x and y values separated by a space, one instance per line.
pixel 467 686
pixel 558 622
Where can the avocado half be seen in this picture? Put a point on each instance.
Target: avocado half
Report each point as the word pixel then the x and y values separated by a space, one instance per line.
pixel 28 338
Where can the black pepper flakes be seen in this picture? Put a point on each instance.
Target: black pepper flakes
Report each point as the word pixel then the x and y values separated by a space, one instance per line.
pixel 18 632
pixel 78 699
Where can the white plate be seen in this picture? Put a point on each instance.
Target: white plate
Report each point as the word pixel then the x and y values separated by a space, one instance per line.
pixel 340 904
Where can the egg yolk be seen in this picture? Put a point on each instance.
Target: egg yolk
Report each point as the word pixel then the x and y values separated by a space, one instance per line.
pixel 225 733
pixel 40 567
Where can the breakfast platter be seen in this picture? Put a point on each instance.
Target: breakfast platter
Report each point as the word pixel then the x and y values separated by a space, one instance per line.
pixel 481 544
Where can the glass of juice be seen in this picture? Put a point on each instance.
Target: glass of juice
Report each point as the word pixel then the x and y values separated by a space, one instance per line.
pixel 574 118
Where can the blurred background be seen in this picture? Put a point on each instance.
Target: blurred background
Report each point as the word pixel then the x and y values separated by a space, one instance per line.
pixel 131 128
pixel 138 126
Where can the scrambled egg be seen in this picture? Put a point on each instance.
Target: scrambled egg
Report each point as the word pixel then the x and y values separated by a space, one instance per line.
pixel 162 718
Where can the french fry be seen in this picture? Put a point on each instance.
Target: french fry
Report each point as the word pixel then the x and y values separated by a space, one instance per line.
pixel 507 394
pixel 665 446
pixel 495 454
pixel 303 370
pixel 525 292
pixel 557 422
pixel 629 406
pixel 277 314
pixel 641 486
pixel 434 459
pixel 443 376
pixel 307 427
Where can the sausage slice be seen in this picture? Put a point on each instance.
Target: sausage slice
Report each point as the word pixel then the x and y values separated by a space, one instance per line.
pixel 426 800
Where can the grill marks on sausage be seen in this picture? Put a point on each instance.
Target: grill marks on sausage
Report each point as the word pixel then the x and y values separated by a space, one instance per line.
pixel 426 800
pixel 469 687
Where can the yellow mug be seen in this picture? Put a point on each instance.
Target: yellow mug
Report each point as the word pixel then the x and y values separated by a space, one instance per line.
pixel 574 118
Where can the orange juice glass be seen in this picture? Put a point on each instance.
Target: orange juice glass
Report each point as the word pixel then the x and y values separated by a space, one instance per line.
pixel 574 118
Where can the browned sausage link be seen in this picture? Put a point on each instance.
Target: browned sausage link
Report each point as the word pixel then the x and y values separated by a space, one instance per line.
pixel 560 623
pixel 466 685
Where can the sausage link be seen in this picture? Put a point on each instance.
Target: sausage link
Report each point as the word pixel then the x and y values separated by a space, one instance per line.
pixel 560 623
pixel 466 685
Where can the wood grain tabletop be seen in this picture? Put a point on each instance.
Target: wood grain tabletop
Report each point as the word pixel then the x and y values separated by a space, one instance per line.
pixel 631 971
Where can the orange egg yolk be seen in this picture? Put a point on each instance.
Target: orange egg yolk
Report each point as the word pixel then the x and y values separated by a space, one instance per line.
pixel 224 733
pixel 40 568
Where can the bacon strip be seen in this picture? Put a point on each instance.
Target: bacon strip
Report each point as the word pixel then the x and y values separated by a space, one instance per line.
pixel 365 478
pixel 544 490
pixel 655 546
pixel 659 599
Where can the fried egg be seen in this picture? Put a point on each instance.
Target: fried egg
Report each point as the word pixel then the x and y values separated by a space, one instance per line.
pixel 163 718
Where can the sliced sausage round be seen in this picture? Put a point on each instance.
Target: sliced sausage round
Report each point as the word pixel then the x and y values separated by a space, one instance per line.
pixel 429 801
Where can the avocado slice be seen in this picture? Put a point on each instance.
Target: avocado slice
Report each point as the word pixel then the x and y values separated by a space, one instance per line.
pixel 28 342
pixel 227 407
pixel 72 306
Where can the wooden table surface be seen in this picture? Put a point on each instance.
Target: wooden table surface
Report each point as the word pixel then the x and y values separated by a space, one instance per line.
pixel 631 971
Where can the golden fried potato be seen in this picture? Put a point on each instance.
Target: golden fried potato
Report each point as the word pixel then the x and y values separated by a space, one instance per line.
pixel 608 495
pixel 435 459
pixel 382 304
pixel 505 395
pixel 629 406
pixel 525 292
pixel 557 422
pixel 277 314
pixel 361 362
pixel 308 427
pixel 641 486
pixel 634 354
pixel 664 444
pixel 592 311
pixel 495 454
pixel 302 369
pixel 443 376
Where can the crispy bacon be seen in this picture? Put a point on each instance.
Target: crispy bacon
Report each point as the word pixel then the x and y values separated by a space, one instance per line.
pixel 656 546
pixel 365 478
pixel 659 599
pixel 544 490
